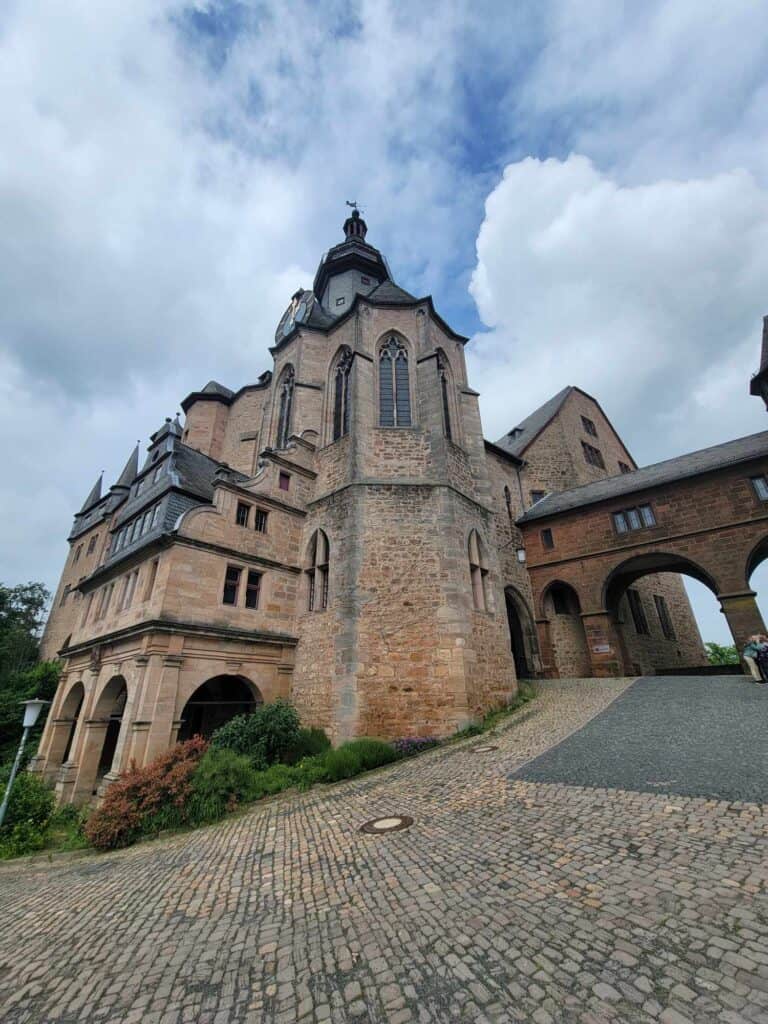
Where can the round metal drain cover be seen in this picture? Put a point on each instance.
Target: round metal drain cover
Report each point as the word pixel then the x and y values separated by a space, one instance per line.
pixel 485 749
pixel 394 823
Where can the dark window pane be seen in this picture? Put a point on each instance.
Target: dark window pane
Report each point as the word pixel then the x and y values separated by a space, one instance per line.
pixel 589 426
pixel 284 481
pixel 231 583
pixel 625 468
pixel 547 539
pixel 638 612
pixel 242 514
pixel 664 619
pixel 403 394
pixel 252 589
pixel 261 521
pixel 386 391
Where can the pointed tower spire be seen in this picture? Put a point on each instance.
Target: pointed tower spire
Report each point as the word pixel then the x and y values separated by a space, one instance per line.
pixel 128 475
pixel 94 496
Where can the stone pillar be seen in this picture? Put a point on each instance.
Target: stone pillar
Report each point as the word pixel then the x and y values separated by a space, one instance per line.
pixel 604 644
pixel 743 616
pixel 81 775
pixel 161 731
pixel 548 665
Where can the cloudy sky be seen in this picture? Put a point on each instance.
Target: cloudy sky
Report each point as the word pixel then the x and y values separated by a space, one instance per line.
pixel 581 184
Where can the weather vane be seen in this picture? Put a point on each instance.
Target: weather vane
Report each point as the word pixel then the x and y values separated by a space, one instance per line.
pixel 354 205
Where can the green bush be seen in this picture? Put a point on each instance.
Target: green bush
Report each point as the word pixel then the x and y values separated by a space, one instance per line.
pixel 273 780
pixel 265 736
pixel 310 743
pixel 357 756
pixel 222 780
pixel 25 828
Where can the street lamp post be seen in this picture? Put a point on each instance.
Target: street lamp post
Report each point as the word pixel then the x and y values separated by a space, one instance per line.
pixel 32 709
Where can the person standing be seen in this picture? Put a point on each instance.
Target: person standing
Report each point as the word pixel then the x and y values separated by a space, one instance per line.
pixel 751 655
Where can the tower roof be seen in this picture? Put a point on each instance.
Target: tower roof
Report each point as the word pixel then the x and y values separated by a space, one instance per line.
pixel 354 253
pixel 94 496
pixel 128 475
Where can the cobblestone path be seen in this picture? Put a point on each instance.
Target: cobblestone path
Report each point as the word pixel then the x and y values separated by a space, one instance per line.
pixel 506 901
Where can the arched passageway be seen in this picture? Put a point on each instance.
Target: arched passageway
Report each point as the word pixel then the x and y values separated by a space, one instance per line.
pixel 70 715
pixel 565 631
pixel 522 634
pixel 215 703
pixel 110 707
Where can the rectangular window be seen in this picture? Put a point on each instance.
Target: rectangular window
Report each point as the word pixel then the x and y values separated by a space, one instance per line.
pixel 243 511
pixel 624 467
pixel 139 487
pixel 340 302
pixel 135 527
pixel 231 584
pixel 158 472
pixel 152 578
pixel 87 611
pixel 92 544
pixel 547 540
pixel 638 613
pixel 284 481
pixel 646 513
pixel 760 484
pixel 77 554
pixel 641 518
pixel 537 496
pixel 121 603
pixel 589 426
pixel 64 596
pixel 252 586
pixel 592 455
pixel 131 590
pixel 260 525
pixel 155 517
pixel 664 618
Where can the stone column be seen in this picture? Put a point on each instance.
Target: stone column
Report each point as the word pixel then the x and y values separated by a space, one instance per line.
pixel 546 652
pixel 604 644
pixel 161 731
pixel 77 780
pixel 743 616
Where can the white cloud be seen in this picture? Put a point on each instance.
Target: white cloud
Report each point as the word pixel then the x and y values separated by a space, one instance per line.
pixel 649 297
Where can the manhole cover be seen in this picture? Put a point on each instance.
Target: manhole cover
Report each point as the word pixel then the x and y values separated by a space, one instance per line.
pixel 395 823
pixel 485 749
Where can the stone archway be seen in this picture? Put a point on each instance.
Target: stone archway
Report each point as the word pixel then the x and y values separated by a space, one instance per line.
pixel 522 634
pixel 215 702
pixel 566 635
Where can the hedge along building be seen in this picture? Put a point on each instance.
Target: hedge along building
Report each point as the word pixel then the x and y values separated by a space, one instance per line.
pixel 327 534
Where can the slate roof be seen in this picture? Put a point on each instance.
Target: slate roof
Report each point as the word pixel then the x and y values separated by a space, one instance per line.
pixel 389 293
pixel 214 388
pixel 517 440
pixel 94 496
pixel 743 449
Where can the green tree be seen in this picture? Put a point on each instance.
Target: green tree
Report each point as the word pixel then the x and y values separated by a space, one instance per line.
pixel 22 615
pixel 719 654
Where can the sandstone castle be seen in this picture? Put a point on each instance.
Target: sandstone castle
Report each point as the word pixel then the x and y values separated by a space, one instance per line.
pixel 340 533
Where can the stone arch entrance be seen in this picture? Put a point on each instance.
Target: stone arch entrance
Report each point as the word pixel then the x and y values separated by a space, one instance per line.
pixel 110 708
pixel 63 729
pixel 522 634
pixel 215 702
pixel 647 640
pixel 567 639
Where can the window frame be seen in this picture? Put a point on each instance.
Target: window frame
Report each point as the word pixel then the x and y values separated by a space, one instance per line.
pixel 761 480
pixel 593 456
pixel 261 515
pixel 229 583
pixel 637 611
pixel 641 513
pixel 478 573
pixel 665 619
pixel 589 426
pixel 395 345
pixel 242 520
pixel 251 588
pixel 547 538
pixel 283 478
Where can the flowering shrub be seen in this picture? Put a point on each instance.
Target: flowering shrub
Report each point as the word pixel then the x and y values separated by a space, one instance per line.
pixel 414 745
pixel 146 800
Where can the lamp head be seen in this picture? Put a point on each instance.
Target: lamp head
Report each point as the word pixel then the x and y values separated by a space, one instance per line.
pixel 32 709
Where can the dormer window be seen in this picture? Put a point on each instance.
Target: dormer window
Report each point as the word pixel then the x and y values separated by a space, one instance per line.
pixel 341 301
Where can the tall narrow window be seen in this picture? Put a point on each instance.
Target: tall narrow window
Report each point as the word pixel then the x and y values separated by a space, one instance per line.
pixel 152 578
pixel 286 403
pixel 243 511
pixel 260 524
pixel 444 375
pixel 665 620
pixel 638 612
pixel 478 571
pixel 231 584
pixel 252 587
pixel 317 572
pixel 394 386
pixel 341 395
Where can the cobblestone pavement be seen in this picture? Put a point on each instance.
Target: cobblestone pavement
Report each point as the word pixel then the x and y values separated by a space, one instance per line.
pixel 506 901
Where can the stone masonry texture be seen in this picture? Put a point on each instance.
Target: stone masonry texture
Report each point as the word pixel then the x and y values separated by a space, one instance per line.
pixel 507 900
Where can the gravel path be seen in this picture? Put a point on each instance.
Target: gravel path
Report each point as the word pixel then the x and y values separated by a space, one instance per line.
pixel 688 735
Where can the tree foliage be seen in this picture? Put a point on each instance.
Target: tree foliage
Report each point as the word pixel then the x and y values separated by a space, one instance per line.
pixel 720 654
pixel 22 615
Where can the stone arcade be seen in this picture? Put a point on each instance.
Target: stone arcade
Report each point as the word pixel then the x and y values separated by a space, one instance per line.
pixel 340 533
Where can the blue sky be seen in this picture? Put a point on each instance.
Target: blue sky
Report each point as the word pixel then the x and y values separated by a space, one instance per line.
pixel 582 186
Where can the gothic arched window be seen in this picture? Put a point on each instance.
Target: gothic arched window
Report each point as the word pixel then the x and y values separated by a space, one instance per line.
pixel 394 386
pixel 341 394
pixel 286 403
pixel 444 376
pixel 317 572
pixel 478 571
